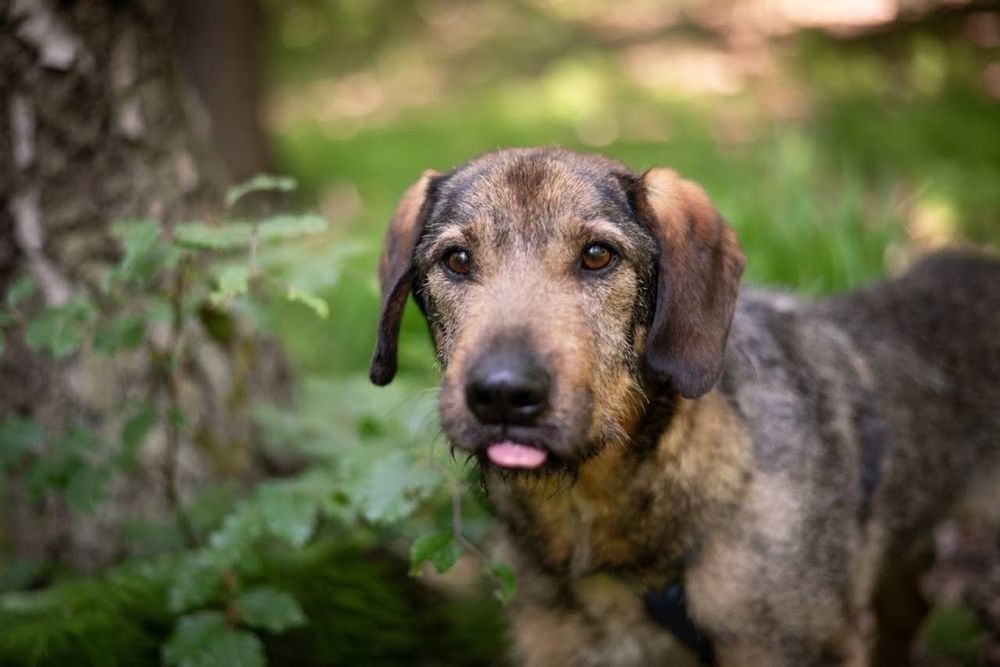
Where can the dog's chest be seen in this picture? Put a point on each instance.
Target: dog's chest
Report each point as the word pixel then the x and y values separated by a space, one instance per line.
pixel 599 524
pixel 597 532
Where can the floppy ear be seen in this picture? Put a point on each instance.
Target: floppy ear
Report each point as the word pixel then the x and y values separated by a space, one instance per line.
pixel 699 273
pixel 395 275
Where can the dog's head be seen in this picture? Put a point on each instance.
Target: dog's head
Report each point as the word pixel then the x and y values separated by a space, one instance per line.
pixel 559 288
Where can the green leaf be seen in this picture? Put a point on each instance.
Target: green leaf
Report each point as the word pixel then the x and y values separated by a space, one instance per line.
pixel 19 436
pixel 202 236
pixel 159 309
pixel 270 609
pixel 193 635
pixel 291 226
pixel 310 301
pixel 289 516
pixel 64 457
pixel 235 648
pixel 59 330
pixel 197 581
pixel 77 442
pixel 124 332
pixel 505 579
pixel 136 236
pixel 237 532
pixel 134 432
pixel 176 418
pixel 19 291
pixel 143 256
pixel 393 488
pixel 85 488
pixel 955 635
pixel 440 548
pixel 258 183
pixel 20 574
pixel 232 280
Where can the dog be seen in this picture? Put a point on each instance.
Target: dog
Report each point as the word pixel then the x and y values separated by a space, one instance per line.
pixel 759 472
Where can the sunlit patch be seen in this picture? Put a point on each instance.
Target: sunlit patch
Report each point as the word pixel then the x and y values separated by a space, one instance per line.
pixel 597 130
pixel 688 68
pixel 933 220
pixel 820 13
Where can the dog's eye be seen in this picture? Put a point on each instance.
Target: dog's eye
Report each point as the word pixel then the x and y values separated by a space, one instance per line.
pixel 597 256
pixel 458 261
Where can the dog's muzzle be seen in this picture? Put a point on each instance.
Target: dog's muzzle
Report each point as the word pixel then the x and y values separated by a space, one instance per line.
pixel 508 387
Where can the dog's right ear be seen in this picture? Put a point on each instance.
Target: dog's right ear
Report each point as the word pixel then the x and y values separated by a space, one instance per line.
pixel 395 275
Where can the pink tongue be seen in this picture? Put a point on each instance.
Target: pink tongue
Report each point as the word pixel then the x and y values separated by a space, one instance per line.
pixel 512 455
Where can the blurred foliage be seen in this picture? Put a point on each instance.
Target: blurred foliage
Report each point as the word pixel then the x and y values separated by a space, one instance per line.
pixel 231 572
pixel 954 634
pixel 835 156
pixel 351 593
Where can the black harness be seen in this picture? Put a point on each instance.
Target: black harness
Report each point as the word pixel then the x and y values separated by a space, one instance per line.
pixel 668 607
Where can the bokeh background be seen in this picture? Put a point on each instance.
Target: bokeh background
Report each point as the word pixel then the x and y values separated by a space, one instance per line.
pixel 840 139
pixel 835 137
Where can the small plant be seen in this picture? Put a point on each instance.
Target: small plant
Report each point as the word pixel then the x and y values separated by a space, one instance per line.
pixel 370 456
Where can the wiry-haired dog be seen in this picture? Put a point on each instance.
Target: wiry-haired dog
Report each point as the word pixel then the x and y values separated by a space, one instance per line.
pixel 770 465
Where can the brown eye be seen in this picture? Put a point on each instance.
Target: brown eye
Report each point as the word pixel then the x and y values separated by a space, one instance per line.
pixel 458 261
pixel 597 256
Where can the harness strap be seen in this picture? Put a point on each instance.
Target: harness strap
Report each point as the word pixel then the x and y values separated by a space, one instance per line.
pixel 668 607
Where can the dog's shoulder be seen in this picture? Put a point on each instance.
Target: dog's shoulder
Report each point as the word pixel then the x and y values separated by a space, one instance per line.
pixel 937 320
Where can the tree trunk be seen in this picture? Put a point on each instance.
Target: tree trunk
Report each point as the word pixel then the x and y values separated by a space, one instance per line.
pixel 96 126
pixel 219 43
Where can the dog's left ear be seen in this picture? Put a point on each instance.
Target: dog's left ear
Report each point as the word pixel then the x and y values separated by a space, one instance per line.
pixel 699 273
pixel 395 275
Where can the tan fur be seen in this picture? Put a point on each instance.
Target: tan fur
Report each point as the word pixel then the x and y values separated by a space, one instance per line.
pixel 548 636
pixel 598 523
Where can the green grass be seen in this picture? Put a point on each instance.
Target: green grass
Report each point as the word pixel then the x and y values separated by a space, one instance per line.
pixel 817 201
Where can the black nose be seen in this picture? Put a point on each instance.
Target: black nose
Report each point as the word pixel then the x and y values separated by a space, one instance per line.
pixel 507 386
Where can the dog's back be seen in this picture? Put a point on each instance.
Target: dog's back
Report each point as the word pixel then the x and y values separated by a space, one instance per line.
pixel 902 378
pixel 908 368
pixel 932 337
pixel 870 415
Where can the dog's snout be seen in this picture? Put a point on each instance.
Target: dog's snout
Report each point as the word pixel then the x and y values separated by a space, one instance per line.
pixel 507 386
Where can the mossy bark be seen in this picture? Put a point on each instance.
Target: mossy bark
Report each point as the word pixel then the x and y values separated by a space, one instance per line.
pixel 96 125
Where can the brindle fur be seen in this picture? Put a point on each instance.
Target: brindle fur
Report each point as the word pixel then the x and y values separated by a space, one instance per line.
pixel 786 496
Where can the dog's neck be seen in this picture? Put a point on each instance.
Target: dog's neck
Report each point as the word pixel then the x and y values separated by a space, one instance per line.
pixel 639 507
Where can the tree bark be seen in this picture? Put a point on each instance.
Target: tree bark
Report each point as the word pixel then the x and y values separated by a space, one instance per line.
pixel 96 125
pixel 219 43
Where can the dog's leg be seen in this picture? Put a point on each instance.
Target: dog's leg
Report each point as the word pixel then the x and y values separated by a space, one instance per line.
pixel 763 602
pixel 793 652
pixel 900 608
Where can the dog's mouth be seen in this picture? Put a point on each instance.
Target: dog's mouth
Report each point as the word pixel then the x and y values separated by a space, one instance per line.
pixel 515 455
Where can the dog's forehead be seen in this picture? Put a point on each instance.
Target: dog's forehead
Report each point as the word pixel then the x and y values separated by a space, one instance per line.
pixel 531 188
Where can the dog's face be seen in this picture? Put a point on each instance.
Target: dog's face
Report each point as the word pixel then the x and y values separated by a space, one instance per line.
pixel 558 287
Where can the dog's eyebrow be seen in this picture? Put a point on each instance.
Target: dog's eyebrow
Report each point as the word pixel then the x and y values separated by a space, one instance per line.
pixel 606 230
pixel 451 236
